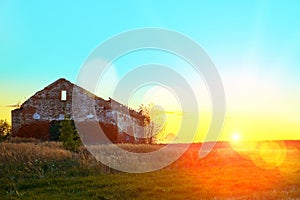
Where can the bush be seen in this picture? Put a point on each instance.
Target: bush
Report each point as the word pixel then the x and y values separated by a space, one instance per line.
pixel 5 129
pixel 69 135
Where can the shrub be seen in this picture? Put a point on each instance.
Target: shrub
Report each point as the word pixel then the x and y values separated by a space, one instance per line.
pixel 69 135
pixel 5 129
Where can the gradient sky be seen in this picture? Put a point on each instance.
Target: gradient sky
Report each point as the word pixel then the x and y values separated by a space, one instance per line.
pixel 255 45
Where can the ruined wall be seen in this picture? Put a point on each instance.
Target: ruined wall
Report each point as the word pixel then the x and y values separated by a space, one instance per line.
pixel 33 117
pixel 47 104
pixel 54 102
pixel 16 120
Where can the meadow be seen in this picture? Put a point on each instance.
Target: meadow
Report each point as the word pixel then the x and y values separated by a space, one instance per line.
pixel 31 169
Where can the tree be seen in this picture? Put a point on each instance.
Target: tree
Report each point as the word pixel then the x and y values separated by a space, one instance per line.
pixel 69 135
pixel 155 122
pixel 5 129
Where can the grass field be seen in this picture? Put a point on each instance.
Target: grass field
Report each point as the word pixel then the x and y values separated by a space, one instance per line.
pixel 44 170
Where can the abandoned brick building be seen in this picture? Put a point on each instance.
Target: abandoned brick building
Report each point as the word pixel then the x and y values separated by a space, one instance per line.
pixel 54 103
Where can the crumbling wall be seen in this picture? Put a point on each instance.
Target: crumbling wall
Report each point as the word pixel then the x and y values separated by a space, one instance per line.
pixel 35 115
pixel 16 121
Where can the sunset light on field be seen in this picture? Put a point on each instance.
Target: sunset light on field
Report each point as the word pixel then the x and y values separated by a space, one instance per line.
pixel 150 99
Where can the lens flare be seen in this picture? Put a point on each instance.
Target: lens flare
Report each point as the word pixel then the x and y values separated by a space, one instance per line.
pixel 292 161
pixel 269 155
pixel 265 155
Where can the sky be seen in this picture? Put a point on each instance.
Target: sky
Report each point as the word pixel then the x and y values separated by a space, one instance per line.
pixel 255 46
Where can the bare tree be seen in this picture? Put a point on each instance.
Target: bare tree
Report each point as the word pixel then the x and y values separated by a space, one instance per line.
pixel 155 122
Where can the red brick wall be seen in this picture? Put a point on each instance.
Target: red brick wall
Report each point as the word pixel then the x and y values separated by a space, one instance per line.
pixel 39 130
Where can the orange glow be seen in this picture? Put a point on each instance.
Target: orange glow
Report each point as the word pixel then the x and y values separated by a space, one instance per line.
pixel 292 163
pixel 244 148
pixel 273 153
pixel 266 155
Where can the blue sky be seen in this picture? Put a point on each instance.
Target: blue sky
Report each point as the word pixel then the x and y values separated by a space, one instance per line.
pixel 48 39
pixel 41 41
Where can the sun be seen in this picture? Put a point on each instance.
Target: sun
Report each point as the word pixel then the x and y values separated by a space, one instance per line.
pixel 236 137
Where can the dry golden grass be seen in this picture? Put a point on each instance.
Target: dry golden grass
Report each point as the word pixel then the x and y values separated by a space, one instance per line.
pixel 140 148
pixel 23 140
pixel 30 152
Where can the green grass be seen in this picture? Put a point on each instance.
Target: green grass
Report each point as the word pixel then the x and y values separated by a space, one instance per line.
pixel 223 174
pixel 165 184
